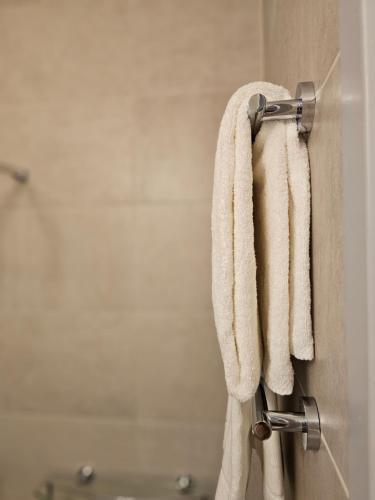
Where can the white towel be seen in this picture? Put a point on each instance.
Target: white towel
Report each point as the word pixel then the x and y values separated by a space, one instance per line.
pixel 300 325
pixel 266 480
pixel 236 470
pixel 273 479
pixel 261 207
pixel 233 256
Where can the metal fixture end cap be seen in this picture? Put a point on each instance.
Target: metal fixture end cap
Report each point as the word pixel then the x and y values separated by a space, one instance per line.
pixel 306 92
pixel 312 436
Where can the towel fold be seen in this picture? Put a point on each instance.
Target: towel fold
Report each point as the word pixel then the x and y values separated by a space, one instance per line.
pixel 260 267
pixel 237 457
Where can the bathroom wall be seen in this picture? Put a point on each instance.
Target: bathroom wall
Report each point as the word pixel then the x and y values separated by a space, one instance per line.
pixel 108 353
pixel 302 43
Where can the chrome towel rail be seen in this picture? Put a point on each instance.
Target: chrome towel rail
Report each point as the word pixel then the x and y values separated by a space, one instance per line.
pixel 307 422
pixel 302 109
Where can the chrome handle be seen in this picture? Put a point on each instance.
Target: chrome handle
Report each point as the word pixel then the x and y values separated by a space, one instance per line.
pixel 286 421
pixel 306 422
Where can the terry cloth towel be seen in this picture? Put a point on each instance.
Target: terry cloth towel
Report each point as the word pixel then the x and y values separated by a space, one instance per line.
pixel 260 265
pixel 237 470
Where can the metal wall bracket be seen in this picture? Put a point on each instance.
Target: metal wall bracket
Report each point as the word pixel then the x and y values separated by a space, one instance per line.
pixel 301 109
pixel 307 422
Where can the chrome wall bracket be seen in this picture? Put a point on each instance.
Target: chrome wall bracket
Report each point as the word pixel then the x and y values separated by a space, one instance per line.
pixel 306 422
pixel 301 109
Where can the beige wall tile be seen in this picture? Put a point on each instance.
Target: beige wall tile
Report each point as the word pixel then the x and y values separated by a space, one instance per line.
pixel 75 258
pixel 309 475
pixel 238 42
pixel 67 100
pixel 35 447
pixel 105 255
pixel 174 146
pixel 167 448
pixel 77 152
pixel 301 40
pixel 162 365
pixel 302 43
pixel 181 46
pixel 9 251
pixel 139 46
pixel 172 256
pixel 59 50
pixel 325 378
pixel 68 363
pixel 180 374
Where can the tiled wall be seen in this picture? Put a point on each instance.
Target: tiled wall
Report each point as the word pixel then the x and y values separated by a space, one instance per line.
pixel 302 43
pixel 107 348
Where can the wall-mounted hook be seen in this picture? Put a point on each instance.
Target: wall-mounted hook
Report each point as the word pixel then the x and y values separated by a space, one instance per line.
pixel 301 109
pixel 307 422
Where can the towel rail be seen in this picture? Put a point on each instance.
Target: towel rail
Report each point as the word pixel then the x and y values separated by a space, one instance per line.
pixel 301 109
pixel 306 422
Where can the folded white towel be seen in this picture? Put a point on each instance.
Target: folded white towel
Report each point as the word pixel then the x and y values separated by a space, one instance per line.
pixel 260 266
pixel 300 325
pixel 273 479
pixel 235 468
pixel 233 257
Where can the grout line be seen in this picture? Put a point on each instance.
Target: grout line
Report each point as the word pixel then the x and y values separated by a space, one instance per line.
pixel 69 205
pixel 339 475
pixel 330 454
pixel 42 311
pixel 330 71
pixel 121 420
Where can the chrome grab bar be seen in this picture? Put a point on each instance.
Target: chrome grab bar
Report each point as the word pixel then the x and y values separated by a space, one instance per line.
pixel 307 422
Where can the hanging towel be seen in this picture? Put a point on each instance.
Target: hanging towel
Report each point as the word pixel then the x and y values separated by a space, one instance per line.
pixel 260 267
pixel 237 469
pixel 266 480
pixel 273 479
pixel 300 324
pixel 236 462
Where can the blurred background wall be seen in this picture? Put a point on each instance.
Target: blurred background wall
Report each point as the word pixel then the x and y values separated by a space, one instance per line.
pixel 108 353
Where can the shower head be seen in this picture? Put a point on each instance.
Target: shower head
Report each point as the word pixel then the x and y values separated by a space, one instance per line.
pixel 19 174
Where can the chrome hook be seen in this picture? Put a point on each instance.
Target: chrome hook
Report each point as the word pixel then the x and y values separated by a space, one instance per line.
pixel 306 422
pixel 302 109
